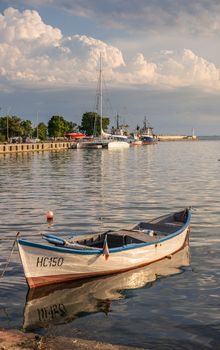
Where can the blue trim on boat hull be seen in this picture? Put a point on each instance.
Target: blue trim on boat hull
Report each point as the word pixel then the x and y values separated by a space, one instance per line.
pixel 111 250
pixel 35 282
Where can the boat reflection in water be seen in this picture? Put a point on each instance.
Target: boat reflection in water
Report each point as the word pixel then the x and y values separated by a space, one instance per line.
pixel 59 304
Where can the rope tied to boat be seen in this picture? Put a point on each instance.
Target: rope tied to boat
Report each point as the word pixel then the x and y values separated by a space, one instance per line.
pixel 10 255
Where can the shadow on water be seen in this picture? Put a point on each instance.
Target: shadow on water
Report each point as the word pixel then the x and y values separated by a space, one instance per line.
pixel 62 303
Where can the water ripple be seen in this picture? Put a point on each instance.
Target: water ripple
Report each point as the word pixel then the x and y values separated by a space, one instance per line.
pixel 98 189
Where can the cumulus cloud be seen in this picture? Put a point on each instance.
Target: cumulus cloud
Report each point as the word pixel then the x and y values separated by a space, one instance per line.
pixel 26 26
pixel 35 53
pixel 187 69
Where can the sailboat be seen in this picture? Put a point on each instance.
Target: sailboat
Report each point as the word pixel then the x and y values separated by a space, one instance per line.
pixel 106 140
pixel 110 141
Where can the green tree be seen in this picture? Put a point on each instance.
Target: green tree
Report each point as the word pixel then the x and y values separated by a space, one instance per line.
pixel 91 123
pixel 69 126
pixel 15 128
pixel 41 131
pixel 10 126
pixel 2 130
pixel 58 126
pixel 26 128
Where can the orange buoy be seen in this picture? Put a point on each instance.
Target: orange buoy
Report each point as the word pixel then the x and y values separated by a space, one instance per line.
pixel 49 215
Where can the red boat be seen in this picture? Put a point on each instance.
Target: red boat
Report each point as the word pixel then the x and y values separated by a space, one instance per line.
pixel 75 135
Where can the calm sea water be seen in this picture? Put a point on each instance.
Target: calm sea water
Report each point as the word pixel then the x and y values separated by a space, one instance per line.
pixel 158 307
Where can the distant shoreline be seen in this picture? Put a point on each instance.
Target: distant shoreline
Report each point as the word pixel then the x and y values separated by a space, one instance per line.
pixel 211 138
pixel 187 138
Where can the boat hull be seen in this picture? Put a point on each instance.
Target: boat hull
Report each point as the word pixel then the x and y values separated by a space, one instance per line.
pixel 103 144
pixel 118 144
pixel 137 143
pixel 149 142
pixel 46 264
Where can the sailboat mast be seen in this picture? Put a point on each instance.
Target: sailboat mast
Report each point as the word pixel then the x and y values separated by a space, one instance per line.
pixel 37 127
pixel 100 74
pixel 117 121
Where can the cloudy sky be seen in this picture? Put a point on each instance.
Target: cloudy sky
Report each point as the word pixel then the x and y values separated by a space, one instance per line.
pixel 161 59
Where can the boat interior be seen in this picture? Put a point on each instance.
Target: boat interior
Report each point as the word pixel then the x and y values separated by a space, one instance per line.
pixel 140 233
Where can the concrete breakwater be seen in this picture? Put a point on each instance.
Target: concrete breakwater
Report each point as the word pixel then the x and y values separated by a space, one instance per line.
pixel 177 138
pixel 34 147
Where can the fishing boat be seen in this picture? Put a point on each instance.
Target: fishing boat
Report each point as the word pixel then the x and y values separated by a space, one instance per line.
pixel 61 303
pixel 135 141
pixel 147 136
pixel 104 253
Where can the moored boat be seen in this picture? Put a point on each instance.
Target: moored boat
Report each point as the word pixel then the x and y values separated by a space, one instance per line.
pixel 103 253
pixel 116 141
pixel 135 140
pixel 117 138
pixel 148 139
pixel 148 136
pixel 137 143
pixel 75 135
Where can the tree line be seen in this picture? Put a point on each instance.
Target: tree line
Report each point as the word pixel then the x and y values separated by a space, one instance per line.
pixel 13 126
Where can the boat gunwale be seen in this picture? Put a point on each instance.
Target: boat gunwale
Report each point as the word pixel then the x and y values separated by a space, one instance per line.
pixel 111 250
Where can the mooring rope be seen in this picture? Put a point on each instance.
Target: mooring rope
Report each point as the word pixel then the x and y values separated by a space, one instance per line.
pixel 8 261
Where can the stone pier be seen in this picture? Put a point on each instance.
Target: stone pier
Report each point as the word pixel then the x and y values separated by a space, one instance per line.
pixel 34 147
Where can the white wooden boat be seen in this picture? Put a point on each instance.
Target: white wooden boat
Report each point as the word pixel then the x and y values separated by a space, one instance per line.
pixel 103 253
pixel 63 302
